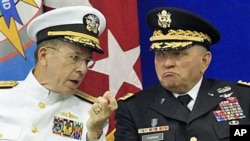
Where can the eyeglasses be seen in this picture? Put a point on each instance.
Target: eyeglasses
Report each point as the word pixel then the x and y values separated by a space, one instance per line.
pixel 77 60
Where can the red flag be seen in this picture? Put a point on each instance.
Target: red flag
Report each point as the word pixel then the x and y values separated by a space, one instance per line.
pixel 119 68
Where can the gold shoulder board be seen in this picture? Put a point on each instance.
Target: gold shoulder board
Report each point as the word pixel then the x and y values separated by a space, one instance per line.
pixel 8 84
pixel 240 82
pixel 85 96
pixel 126 96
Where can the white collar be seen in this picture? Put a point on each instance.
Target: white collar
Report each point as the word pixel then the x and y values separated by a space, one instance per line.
pixel 193 92
pixel 31 87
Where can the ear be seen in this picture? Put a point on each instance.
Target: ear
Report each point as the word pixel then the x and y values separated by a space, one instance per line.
pixel 43 55
pixel 205 61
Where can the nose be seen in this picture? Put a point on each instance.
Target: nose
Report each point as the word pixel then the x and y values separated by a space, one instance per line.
pixel 82 68
pixel 169 62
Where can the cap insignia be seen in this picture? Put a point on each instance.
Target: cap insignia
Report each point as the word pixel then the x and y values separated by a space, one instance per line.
pixel 164 19
pixel 92 23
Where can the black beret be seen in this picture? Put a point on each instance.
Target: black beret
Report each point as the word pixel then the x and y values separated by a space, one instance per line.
pixel 174 29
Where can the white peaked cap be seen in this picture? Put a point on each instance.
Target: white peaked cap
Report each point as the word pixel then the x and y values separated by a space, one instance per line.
pixel 81 25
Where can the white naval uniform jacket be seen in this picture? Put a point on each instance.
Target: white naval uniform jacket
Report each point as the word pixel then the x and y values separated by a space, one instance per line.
pixel 27 112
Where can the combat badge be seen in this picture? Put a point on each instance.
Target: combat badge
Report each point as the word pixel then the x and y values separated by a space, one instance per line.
pixel 223 92
pixel 153 136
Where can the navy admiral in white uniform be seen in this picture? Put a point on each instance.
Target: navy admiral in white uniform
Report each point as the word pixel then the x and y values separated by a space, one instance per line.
pixel 181 43
pixel 43 107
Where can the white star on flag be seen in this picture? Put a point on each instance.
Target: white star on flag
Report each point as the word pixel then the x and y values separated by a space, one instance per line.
pixel 119 65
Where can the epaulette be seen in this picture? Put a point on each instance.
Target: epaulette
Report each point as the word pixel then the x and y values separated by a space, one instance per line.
pixel 85 96
pixel 240 82
pixel 126 96
pixel 8 84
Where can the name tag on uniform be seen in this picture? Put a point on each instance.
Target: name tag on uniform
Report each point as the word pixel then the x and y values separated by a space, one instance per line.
pixel 153 137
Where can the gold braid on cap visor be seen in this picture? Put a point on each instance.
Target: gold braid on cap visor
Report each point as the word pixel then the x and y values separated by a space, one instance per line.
pixel 77 37
pixel 180 38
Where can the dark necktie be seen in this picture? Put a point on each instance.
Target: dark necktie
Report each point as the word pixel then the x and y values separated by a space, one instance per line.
pixel 184 99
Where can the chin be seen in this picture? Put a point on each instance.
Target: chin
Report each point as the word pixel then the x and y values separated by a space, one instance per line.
pixel 68 91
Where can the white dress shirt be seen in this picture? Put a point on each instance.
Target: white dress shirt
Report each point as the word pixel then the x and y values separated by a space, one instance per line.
pixel 193 94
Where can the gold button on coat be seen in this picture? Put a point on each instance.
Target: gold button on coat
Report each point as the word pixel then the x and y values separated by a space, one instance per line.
pixel 193 139
pixel 41 105
pixel 34 129
pixel 1 135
